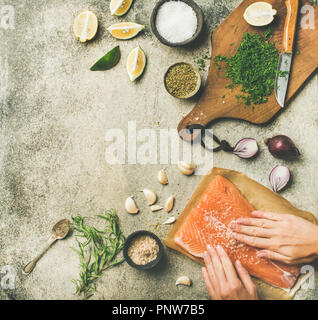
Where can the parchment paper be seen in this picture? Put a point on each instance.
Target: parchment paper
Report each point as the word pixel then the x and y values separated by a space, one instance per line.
pixel 261 198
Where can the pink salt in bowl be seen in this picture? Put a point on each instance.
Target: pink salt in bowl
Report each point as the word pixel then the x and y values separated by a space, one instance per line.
pixel 128 243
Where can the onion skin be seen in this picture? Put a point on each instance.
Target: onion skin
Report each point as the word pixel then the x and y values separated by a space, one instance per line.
pixel 279 178
pixel 282 147
pixel 246 148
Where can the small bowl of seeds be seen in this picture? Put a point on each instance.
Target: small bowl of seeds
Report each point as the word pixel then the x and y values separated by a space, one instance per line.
pixel 143 250
pixel 182 80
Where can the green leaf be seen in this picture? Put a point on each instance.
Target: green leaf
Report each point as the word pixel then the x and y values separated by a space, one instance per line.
pixel 98 252
pixel 108 61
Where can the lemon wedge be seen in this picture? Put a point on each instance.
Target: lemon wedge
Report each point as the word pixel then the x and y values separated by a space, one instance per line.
pixel 85 26
pixel 136 63
pixel 259 14
pixel 120 7
pixel 125 30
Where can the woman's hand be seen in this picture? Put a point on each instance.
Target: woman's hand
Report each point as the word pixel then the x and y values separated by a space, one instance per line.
pixel 283 237
pixel 221 279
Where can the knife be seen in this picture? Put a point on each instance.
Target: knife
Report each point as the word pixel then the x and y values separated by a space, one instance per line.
pixel 286 58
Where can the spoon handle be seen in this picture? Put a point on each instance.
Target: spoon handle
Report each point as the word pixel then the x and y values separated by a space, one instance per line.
pixel 30 266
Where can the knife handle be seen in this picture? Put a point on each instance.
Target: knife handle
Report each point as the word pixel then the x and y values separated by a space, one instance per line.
pixel 290 24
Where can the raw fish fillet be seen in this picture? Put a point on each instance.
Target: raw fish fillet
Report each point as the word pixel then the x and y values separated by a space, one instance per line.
pixel 207 223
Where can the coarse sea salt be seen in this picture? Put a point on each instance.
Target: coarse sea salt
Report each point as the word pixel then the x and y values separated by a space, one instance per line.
pixel 176 21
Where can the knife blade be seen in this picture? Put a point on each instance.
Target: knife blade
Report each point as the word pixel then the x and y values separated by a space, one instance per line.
pixel 286 57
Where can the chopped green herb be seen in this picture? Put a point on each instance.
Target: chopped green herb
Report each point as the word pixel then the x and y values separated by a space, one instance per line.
pixel 97 250
pixel 253 67
pixel 298 52
pixel 268 33
pixel 235 29
pixel 202 61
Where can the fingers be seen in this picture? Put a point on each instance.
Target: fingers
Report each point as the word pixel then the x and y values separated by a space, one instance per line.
pixel 208 284
pixel 267 215
pixel 256 222
pixel 251 231
pixel 245 277
pixel 272 255
pixel 268 254
pixel 262 243
pixel 305 260
pixel 217 266
pixel 228 267
pixel 211 272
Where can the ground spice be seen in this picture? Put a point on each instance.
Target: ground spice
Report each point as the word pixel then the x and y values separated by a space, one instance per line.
pixel 181 80
pixel 143 250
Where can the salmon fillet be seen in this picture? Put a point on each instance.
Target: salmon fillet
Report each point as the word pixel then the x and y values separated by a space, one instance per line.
pixel 207 223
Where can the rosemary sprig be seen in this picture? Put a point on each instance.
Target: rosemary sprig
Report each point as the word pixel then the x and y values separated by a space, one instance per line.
pixel 97 250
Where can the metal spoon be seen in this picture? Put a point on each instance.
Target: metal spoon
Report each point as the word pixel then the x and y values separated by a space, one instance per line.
pixel 59 231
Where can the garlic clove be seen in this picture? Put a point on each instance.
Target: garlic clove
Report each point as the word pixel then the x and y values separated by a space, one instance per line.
pixel 184 280
pixel 131 206
pixel 150 196
pixel 162 177
pixel 170 220
pixel 156 208
pixel 169 204
pixel 186 168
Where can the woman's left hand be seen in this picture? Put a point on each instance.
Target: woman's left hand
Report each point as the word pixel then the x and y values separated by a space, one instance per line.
pixel 223 280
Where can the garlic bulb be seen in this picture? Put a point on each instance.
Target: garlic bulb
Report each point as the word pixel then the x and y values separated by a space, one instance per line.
pixel 170 220
pixel 150 196
pixel 131 206
pixel 169 204
pixel 186 168
pixel 162 177
pixel 184 280
pixel 155 208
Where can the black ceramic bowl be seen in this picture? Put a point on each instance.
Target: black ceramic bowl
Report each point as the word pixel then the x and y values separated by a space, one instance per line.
pixel 133 236
pixel 200 19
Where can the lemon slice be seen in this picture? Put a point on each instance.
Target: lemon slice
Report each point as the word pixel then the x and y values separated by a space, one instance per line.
pixel 120 7
pixel 85 26
pixel 259 14
pixel 136 63
pixel 125 30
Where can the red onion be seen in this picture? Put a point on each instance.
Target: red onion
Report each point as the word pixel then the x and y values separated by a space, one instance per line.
pixel 246 148
pixel 279 177
pixel 282 147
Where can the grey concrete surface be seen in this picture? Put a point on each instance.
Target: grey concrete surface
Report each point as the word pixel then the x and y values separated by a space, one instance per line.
pixel 54 114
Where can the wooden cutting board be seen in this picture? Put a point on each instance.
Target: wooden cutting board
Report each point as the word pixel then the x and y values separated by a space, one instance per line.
pixel 225 41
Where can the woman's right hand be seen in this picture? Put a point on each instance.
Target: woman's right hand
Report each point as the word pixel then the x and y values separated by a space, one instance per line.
pixel 282 237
